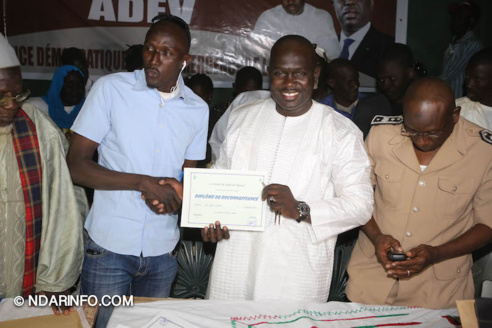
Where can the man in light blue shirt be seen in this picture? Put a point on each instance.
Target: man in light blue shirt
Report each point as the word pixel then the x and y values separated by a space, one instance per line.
pixel 146 125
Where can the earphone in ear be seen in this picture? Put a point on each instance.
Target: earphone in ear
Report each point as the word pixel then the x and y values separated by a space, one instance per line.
pixel 184 65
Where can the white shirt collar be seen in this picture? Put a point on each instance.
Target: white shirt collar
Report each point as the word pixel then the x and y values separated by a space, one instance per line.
pixel 346 109
pixel 485 107
pixel 488 113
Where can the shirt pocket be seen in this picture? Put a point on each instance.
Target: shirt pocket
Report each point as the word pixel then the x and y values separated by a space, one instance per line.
pixel 454 195
pixel 388 183
pixel 93 250
pixel 453 268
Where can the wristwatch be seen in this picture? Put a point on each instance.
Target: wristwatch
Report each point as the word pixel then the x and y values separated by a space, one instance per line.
pixel 304 211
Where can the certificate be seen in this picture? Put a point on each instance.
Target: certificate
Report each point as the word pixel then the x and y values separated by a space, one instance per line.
pixel 231 197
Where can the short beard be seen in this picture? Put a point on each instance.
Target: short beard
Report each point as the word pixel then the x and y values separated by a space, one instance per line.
pixel 6 129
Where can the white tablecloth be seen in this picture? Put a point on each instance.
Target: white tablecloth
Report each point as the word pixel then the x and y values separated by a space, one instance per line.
pixel 217 314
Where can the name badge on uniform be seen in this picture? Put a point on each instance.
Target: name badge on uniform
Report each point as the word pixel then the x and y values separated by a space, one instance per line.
pixel 381 119
pixel 486 136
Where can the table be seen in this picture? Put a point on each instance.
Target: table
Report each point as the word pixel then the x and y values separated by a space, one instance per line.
pixel 237 314
pixel 42 316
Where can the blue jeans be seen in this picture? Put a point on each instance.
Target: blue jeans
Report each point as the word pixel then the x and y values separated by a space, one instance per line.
pixel 108 273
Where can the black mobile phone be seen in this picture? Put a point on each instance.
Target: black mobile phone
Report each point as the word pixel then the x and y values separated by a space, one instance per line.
pixel 394 256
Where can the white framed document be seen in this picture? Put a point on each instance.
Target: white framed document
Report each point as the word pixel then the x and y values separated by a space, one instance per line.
pixel 231 197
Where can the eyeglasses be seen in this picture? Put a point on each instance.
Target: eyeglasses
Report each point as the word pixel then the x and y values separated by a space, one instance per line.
pixel 405 133
pixel 18 98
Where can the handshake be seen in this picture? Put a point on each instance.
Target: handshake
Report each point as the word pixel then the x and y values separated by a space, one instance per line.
pixel 162 195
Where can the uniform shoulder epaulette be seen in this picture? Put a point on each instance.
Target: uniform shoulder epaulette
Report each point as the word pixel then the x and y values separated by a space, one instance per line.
pixel 486 136
pixel 381 119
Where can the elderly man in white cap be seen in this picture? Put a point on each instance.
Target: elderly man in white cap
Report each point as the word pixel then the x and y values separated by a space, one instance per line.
pixel 41 211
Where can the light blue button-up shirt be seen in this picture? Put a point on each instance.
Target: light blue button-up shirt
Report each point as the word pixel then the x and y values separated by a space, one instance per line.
pixel 139 133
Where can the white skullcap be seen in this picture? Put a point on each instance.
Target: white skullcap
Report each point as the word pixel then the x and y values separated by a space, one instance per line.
pixel 7 54
pixel 321 52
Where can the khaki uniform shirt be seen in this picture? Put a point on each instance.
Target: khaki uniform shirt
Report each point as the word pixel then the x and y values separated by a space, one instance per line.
pixel 432 207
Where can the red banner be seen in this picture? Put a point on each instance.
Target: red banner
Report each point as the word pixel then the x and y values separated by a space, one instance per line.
pixel 221 31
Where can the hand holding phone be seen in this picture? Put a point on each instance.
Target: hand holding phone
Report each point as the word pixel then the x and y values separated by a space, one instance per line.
pixel 396 256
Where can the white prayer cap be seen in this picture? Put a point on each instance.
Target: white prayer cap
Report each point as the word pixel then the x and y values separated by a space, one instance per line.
pixel 7 54
pixel 321 52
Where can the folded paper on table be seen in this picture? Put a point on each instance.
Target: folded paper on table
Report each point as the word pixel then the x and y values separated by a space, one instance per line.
pixel 231 197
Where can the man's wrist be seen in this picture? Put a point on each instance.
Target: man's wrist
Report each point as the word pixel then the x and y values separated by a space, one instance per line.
pixel 435 254
pixel 142 183
pixel 374 238
pixel 371 230
pixel 303 210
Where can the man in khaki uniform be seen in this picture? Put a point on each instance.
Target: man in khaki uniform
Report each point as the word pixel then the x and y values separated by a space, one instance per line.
pixel 433 200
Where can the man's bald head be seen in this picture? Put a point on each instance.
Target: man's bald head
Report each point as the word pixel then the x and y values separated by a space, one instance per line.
pixel 431 90
pixel 291 42
pixel 429 109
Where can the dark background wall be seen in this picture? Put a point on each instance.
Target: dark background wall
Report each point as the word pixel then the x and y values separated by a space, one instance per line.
pixel 429 32
pixel 428 36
